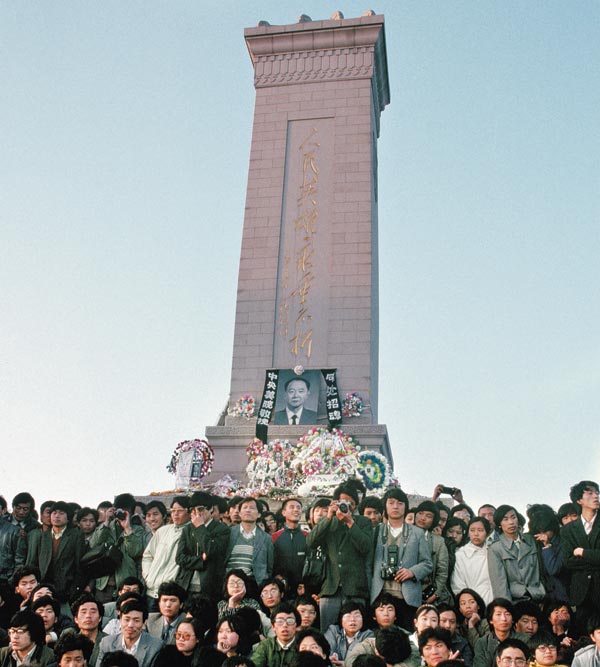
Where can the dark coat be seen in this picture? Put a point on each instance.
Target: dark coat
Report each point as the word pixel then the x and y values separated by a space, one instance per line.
pixel 308 417
pixel 584 570
pixel 64 571
pixel 348 552
pixel 211 540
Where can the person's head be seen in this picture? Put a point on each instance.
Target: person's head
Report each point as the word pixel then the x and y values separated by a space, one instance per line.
pixel 506 520
pixel 26 629
pixel 368 660
pixel 478 530
pixel 102 508
pixel 188 635
pixel 543 519
pixel 455 530
pixel 512 653
pixel 372 508
pixel 237 661
pixel 171 597
pixel 132 618
pixel 234 509
pixel 487 512
pixel 73 650
pixel 220 507
pixel 426 616
pixel 308 610
pixel 384 610
pixel 427 515
pixel 49 610
pixel 272 592
pixel 558 614
pixel 3 506
pixel 201 608
pixel 593 628
pixel 543 646
pixel 395 503
pixel 310 639
pixel 61 514
pixel 448 618
pixel 392 644
pixel 126 597
pixel 249 511
pixel 409 517
pixel 45 509
pixel 435 645
pixel 582 489
pixel 351 617
pixel 25 579
pixel 23 505
pixel 268 522
pixel 527 618
pixel 291 511
pixel 42 590
pixel 235 581
pixel 156 514
pixel 118 659
pixel 131 585
pixel 87 520
pixel 568 512
pixel 125 501
pixel 443 513
pixel 233 636
pixel 179 510
pixel 467 603
pixel 285 620
pixel 347 492
pixel 318 510
pixel 462 511
pixel 297 391
pixel 87 612
pixel 499 614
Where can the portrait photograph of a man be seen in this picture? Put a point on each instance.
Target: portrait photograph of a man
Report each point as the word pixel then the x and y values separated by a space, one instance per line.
pixel 297 398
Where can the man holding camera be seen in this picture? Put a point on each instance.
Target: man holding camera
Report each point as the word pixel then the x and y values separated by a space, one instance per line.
pixel 346 539
pixel 402 558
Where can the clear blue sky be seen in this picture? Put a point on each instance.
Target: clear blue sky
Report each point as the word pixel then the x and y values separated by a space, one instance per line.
pixel 124 143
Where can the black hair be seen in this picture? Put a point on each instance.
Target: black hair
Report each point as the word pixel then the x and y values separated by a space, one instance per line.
pixel 383 599
pixel 40 585
pixel 201 608
pixel 350 606
pixel 437 633
pixel 542 518
pixel 429 506
pixel 141 505
pixel 444 606
pixel 172 588
pixel 392 644
pixel 306 599
pixel 237 661
pixel 25 571
pixel 24 497
pixel 372 502
pixel 125 501
pixel 3 504
pixel 289 499
pixel 398 494
pixel 240 574
pixel 253 621
pixel 542 638
pixel 482 520
pixel 104 505
pixel 478 599
pixel 33 622
pixel 221 503
pixel 526 608
pixel 184 501
pixel 366 660
pixel 501 512
pixel 462 506
pixel 46 504
pixel 84 511
pixel 576 492
pixel 511 642
pixel 568 508
pixel 235 501
pixel 592 624
pixel 319 638
pixel 118 659
pixel 86 598
pixel 274 581
pixel 498 602
pixel 133 581
pixel 157 504
pixel 238 624
pixel 47 601
pixel 71 641
pixel 128 596
pixel 348 490
pixel 455 521
pixel 249 499
pixel 135 605
pixel 63 506
pixel 423 609
pixel 297 377
pixel 285 608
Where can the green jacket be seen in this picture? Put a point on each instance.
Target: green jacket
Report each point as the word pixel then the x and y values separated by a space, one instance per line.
pixel 270 654
pixel 132 548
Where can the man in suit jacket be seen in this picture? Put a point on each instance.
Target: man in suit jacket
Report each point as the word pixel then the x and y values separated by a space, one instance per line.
pixel 57 552
pixel 202 549
pixel 250 548
pixel 163 624
pixel 580 541
pixel 297 391
pixel 132 639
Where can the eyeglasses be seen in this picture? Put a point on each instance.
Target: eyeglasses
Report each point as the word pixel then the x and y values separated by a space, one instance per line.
pixel 543 647
pixel 269 592
pixel 17 632
pixel 185 636
pixel 236 584
pixel 519 662
pixel 285 621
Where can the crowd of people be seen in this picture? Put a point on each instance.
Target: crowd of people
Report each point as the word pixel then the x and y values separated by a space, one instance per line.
pixel 352 580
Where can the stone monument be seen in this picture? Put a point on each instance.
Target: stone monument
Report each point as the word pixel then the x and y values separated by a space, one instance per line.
pixel 308 277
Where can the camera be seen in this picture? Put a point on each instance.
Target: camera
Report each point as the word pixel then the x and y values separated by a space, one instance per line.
pixel 120 514
pixel 428 592
pixel 343 507
pixel 389 568
pixel 448 490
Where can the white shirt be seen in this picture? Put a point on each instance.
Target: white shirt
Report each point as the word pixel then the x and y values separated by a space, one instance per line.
pixel 291 413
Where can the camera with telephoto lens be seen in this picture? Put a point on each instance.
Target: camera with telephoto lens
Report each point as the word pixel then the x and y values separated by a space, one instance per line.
pixel 120 514
pixel 343 507
pixel 390 567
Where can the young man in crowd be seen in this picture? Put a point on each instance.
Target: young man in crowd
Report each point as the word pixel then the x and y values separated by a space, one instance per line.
pixel 279 650
pixel 436 584
pixel 500 616
pixel 27 642
pixel 73 650
pixel 290 545
pixel 87 614
pixel 435 646
pixel 163 624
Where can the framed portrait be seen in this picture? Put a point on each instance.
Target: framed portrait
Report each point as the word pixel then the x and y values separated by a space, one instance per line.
pixel 297 398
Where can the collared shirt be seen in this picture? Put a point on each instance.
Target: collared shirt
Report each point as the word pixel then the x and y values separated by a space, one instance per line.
pixel 249 535
pixel 291 413
pixel 134 648
pixel 26 659
pixel 588 525
pixel 59 534
pixel 286 647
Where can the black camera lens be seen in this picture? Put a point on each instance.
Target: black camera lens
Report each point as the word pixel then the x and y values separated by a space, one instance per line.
pixel 343 507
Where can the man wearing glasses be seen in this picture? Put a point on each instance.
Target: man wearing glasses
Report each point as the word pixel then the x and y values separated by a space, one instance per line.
pixel 281 649
pixel 512 653
pixel 158 561
pixel 27 641
pixel 202 548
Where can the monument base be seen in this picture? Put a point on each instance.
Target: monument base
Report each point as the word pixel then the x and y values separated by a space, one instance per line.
pixel 230 442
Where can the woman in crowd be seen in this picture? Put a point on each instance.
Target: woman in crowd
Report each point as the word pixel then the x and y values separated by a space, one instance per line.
pixel 310 639
pixel 471 568
pixel 544 649
pixel 513 560
pixel 349 629
pixel 272 592
pixel 455 532
pixel 186 652
pixel 544 526
pixel 426 616
pixel 233 637
pixel 235 594
pixel 470 614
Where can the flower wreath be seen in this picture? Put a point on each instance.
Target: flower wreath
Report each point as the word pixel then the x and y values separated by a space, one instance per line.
pixel 245 407
pixel 203 452
pixel 352 405
pixel 323 451
pixel 374 470
pixel 269 465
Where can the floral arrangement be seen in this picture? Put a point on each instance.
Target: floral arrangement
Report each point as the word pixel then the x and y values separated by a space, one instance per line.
pixel 268 466
pixel 227 486
pixel 191 461
pixel 352 405
pixel 245 407
pixel 375 470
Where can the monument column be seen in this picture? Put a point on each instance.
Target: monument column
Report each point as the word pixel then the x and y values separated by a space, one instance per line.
pixel 308 276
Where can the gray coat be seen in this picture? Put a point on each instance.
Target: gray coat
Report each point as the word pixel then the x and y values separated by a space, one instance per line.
pixel 414 554
pixel 262 555
pixel 585 657
pixel 147 649
pixel 515 573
